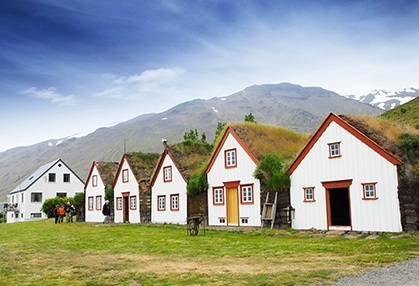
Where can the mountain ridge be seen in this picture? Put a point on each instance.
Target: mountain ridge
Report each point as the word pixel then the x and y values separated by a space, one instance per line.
pixel 291 106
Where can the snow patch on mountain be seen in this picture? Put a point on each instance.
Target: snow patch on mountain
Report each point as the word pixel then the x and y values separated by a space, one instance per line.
pixel 387 99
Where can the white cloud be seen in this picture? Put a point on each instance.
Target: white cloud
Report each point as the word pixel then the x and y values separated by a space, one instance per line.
pixel 148 83
pixel 161 75
pixel 49 94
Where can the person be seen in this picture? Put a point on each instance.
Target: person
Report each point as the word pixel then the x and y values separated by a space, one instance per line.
pixel 69 209
pixel 106 211
pixel 61 213
pixel 56 213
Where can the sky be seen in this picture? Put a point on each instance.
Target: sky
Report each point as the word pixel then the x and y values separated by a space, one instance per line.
pixel 68 68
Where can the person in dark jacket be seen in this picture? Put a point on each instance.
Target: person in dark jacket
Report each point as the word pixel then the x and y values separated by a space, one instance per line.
pixel 106 211
pixel 56 213
pixel 69 209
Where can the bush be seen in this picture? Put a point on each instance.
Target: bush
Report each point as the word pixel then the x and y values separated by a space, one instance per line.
pixel 49 205
pixel 271 174
pixel 197 183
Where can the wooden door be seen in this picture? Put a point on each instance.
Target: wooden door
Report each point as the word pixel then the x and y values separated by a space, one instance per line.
pixel 232 207
pixel 125 209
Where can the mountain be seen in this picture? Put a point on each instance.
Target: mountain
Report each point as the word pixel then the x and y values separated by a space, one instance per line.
pixel 298 108
pixel 386 99
pixel 407 113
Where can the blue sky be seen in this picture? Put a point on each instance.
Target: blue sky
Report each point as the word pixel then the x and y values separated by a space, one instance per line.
pixel 70 67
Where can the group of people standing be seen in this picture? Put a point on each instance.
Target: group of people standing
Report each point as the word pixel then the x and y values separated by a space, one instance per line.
pixel 62 211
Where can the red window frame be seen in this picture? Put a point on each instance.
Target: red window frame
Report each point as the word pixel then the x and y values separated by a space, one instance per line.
pixel 163 197
pixel 98 203
pixel 90 203
pixel 338 149
pixel 214 191
pixel 226 158
pixel 172 197
pixel 131 200
pixel 306 199
pixel 119 203
pixel 94 181
pixel 125 178
pixel 249 202
pixel 364 191
pixel 169 170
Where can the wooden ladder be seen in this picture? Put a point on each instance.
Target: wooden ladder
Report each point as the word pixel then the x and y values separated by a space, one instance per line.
pixel 269 211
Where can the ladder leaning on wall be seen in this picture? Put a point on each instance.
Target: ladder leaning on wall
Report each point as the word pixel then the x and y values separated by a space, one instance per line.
pixel 269 211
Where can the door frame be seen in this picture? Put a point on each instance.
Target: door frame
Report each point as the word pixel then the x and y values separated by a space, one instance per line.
pixel 125 207
pixel 232 185
pixel 340 184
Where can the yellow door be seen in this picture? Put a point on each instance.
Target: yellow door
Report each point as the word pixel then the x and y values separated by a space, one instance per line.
pixel 232 207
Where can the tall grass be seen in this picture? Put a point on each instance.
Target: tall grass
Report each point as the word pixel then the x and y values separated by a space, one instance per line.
pixel 42 253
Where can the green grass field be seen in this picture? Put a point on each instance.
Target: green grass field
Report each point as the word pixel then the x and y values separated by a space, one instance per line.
pixel 42 253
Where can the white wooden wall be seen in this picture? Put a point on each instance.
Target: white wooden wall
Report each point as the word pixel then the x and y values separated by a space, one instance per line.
pixel 94 215
pixel 176 186
pixel 132 187
pixel 359 163
pixel 244 173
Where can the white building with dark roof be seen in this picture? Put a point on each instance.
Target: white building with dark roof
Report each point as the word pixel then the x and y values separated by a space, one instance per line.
pixel 54 179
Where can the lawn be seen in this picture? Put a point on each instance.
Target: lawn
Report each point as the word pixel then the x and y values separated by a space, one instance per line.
pixel 42 253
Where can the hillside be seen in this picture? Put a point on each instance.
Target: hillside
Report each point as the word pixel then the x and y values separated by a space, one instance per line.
pixel 407 113
pixel 298 108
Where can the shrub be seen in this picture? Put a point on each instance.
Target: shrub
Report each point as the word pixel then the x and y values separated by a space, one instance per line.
pixel 49 205
pixel 197 183
pixel 271 174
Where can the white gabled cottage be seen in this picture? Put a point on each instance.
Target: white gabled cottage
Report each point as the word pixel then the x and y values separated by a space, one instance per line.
pixel 101 176
pixel 234 194
pixel 169 201
pixel 344 180
pixel 132 187
pixel 54 179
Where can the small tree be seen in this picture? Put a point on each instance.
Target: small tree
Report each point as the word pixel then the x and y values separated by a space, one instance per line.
pixel 197 183
pixel 220 128
pixel 49 205
pixel 271 174
pixel 249 118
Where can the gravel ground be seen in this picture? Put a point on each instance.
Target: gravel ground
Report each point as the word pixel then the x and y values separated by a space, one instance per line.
pixel 405 273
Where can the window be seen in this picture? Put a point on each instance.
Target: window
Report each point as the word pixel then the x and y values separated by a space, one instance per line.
pixel 161 203
pixel 245 220
pixel 90 203
pixel 369 191
pixel 174 202
pixel 167 174
pixel 36 215
pixel 98 203
pixel 125 176
pixel 133 202
pixel 94 181
pixel 230 158
pixel 309 194
pixel 247 194
pixel 119 203
pixel 22 198
pixel 222 220
pixel 334 150
pixel 218 196
pixel 36 197
pixel 61 195
pixel 66 178
pixel 51 177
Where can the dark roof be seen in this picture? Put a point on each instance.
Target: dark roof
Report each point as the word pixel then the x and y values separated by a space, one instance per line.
pixel 29 181
pixel 142 164
pixel 188 157
pixel 107 171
